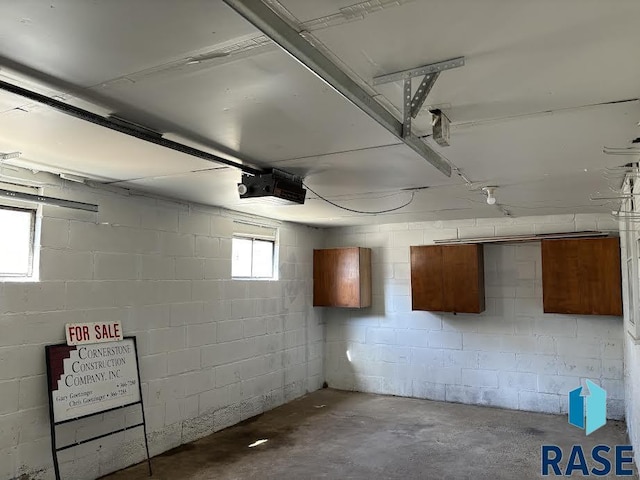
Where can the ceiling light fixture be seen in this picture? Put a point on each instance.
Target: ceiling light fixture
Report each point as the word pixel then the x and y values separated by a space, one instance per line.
pixel 490 191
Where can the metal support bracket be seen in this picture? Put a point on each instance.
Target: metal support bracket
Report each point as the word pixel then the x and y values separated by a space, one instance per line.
pixel 440 124
pixel 41 199
pixel 412 105
pixel 423 90
pixel 406 101
pixel 419 71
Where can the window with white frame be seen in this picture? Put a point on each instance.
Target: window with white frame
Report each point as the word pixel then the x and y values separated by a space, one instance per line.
pixel 254 252
pixel 17 239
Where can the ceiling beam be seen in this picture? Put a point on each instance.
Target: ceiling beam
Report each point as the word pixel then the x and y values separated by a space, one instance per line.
pixel 266 20
pixel 123 127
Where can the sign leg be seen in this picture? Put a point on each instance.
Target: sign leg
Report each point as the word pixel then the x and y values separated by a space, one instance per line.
pixel 144 420
pixel 54 448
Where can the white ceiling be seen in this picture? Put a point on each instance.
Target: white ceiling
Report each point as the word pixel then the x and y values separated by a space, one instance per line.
pixel 531 110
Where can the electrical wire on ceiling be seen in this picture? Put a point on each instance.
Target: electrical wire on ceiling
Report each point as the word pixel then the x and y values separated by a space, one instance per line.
pixel 369 195
pixel 364 212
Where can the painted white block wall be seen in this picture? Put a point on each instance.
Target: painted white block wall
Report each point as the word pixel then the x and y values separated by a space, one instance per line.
pixel 630 237
pixel 632 392
pixel 213 351
pixel 512 356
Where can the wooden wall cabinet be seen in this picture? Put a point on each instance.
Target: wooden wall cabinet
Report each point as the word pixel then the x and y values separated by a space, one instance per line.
pixel 342 277
pixel 582 276
pixel 448 278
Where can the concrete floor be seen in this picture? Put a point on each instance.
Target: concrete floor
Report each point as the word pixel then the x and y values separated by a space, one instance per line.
pixel 333 434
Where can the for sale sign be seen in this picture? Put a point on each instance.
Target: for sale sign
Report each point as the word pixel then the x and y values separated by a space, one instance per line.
pixel 86 333
pixel 88 379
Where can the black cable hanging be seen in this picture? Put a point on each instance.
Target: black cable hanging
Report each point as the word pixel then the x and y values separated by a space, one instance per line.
pixel 413 193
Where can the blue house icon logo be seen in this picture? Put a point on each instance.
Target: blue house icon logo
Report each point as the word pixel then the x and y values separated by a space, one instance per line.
pixel 593 415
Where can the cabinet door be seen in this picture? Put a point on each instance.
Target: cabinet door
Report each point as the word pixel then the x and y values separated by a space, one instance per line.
pixel 463 278
pixel 601 290
pixel 582 276
pixel 427 292
pixel 336 277
pixel 561 276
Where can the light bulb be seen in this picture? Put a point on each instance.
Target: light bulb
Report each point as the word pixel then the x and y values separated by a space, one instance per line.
pixel 491 200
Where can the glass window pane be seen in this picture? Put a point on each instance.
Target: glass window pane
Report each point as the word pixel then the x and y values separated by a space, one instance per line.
pixel 15 242
pixel 262 259
pixel 241 257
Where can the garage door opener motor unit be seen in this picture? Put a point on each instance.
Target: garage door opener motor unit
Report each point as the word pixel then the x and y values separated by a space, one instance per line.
pixel 275 186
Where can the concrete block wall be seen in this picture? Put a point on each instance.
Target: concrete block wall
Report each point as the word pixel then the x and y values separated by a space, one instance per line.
pixel 213 351
pixel 632 391
pixel 629 239
pixel 512 355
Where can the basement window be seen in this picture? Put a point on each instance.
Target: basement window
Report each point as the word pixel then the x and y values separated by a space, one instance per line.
pixel 253 252
pixel 17 239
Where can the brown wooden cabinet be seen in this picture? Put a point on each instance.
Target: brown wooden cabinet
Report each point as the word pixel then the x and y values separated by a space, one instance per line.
pixel 582 276
pixel 342 277
pixel 448 278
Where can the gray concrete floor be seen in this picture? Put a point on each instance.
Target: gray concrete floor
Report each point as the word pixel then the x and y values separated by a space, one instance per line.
pixel 344 435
